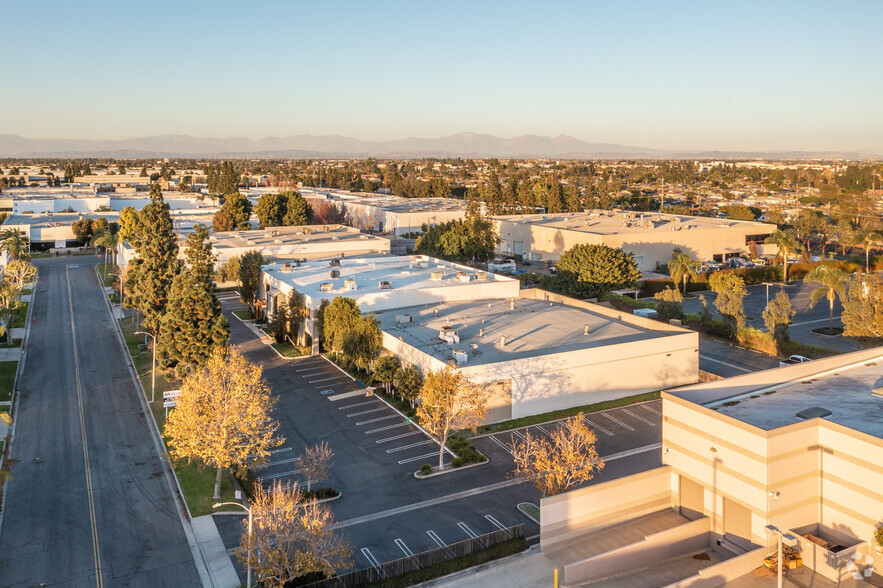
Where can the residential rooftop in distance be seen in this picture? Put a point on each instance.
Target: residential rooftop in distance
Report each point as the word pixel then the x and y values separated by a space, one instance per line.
pixel 532 328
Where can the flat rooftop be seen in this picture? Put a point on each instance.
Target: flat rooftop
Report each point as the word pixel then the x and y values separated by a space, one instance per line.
pixel 388 203
pixel 56 219
pixel 402 273
pixel 532 328
pixel 846 393
pixel 610 222
pixel 290 236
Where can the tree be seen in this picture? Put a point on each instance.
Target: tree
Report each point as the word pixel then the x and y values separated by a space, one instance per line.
pixel 740 213
pixel 556 466
pixel 869 236
pixel 83 230
pixel 471 239
pixel 681 266
pixel 448 401
pixel 250 264
pixel 363 342
pixel 328 213
pixel 787 243
pixel 341 316
pixel 109 242
pixel 408 383
pixel 314 463
pixel 730 290
pixel 863 308
pixel 670 304
pixel 385 369
pixel 778 314
pixel 587 271
pixel 20 272
pixel 223 418
pixel 297 210
pixel 832 285
pixel 234 214
pixel 129 223
pixel 152 273
pixel 291 537
pixel 270 210
pixel 14 244
pixel 10 302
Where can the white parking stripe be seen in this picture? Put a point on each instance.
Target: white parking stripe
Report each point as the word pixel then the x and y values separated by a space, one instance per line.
pixel 412 445
pixel 327 379
pixel 651 409
pixel 418 458
pixel 544 430
pixel 599 427
pixel 465 528
pixel 372 560
pixel 501 444
pixel 279 475
pixel 436 538
pixel 349 406
pixel 520 434
pixel 361 412
pixel 640 418
pixel 495 522
pixel 617 421
pixel 405 549
pixel 383 418
pixel 384 428
pixel 399 436
pixel 280 462
pixel 312 369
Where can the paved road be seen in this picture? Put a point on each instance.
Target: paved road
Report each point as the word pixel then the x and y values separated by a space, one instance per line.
pixel 726 360
pixel 97 509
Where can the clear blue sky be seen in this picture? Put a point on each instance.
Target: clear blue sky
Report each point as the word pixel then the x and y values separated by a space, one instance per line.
pixel 692 75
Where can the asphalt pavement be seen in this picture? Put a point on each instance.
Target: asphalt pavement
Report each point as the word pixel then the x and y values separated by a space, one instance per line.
pixel 88 504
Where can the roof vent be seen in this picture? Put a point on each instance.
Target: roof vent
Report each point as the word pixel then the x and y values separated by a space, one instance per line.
pixel 334 263
pixel 286 267
pixel 326 287
pixel 436 275
pixel 334 274
pixel 813 412
pixel 385 285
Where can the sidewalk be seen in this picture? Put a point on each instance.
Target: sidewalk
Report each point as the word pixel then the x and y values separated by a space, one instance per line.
pixel 220 568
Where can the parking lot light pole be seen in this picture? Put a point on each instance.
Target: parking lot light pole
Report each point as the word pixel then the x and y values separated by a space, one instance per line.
pixel 780 535
pixel 767 284
pixel 248 510
pixel 153 371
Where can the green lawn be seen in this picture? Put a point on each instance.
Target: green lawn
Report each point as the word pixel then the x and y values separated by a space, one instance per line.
pixel 26 291
pixel 530 509
pixel 20 316
pixel 196 483
pixel 7 379
pixel 287 350
pixel 111 267
pixel 245 314
pixel 560 414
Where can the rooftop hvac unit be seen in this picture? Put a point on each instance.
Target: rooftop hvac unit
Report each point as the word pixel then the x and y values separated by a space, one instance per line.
pixel 452 339
pixel 286 267
pixel 363 237
pixel 385 285
pixel 464 277
pixel 437 275
pixel 307 230
pixel 480 275
pixel 326 287
pixel 326 228
pixel 444 332
pixel 335 238
pixel 404 318
pixel 350 284
pixel 334 263
pixel 334 274
pixel 460 356
pixel 277 241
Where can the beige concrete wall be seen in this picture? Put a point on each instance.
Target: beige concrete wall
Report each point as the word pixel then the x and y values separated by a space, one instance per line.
pixel 726 571
pixel 567 516
pixel 664 545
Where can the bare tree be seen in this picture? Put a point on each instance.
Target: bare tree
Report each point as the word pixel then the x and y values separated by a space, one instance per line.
pixel 315 462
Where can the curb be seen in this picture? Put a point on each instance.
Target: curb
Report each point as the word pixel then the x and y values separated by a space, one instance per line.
pixel 199 562
pixel 452 470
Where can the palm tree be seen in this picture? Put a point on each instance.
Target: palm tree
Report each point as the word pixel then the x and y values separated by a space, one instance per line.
pixel 832 284
pixel 14 244
pixel 869 237
pixel 109 241
pixel 681 266
pixel 787 243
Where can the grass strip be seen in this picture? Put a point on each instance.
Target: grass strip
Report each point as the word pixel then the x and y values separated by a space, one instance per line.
pixel 244 314
pixel 7 379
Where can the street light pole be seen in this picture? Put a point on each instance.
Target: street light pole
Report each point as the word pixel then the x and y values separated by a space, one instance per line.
pixel 153 371
pixel 248 510
pixel 780 535
pixel 767 284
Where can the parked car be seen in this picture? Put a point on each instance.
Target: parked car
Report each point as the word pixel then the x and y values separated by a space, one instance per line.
pixel 553 269
pixel 793 360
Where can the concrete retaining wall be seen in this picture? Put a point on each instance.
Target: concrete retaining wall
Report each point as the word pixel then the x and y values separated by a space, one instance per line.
pixel 726 571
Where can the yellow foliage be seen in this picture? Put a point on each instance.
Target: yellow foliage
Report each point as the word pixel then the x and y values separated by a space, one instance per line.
pixel 569 460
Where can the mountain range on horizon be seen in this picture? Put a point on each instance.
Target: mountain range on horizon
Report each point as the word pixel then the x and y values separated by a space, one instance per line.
pixel 472 145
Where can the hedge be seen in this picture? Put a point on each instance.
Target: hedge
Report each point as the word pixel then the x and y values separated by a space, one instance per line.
pixel 465 451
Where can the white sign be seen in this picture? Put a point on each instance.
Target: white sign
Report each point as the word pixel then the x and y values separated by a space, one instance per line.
pixel 238 494
pixel 171 394
pixel 170 403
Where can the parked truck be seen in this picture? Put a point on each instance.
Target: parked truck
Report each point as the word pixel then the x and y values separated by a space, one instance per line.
pixel 794 359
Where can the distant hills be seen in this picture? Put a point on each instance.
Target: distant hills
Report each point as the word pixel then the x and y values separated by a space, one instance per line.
pixel 472 145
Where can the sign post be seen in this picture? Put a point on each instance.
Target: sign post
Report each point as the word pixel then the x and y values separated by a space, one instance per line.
pixel 170 400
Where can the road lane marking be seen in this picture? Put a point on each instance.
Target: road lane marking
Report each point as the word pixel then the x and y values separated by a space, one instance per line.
pixel 735 367
pixel 372 560
pixel 618 422
pixel 472 492
pixel 640 418
pixel 96 550
pixel 465 528
pixel 436 538
pixel 599 427
pixel 383 418
pixel 418 458
pixel 399 436
pixel 411 446
pixel 495 522
pixel 405 549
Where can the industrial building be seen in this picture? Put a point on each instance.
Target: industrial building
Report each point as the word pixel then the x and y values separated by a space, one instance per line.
pixel 47 231
pixel 650 237
pixel 542 352
pixel 792 452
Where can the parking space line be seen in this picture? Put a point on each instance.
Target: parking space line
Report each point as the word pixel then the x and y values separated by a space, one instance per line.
pixel 366 403
pixel 599 427
pixel 384 428
pixel 372 560
pixel 618 422
pixel 345 395
pixel 320 368
pixel 465 528
pixel 405 549
pixel 640 418
pixel 436 538
pixel 361 412
pixel 418 458
pixel 399 436
pixel 411 446
pixel 281 461
pixel 520 434
pixel 495 522
pixel 544 430
pixel 326 379
pixel 274 451
pixel 383 418
pixel 653 410
pixel 274 476
pixel 501 444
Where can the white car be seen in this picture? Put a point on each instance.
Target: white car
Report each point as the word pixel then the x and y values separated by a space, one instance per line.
pixel 793 360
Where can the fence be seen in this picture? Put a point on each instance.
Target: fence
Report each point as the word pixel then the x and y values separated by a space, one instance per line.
pixel 424 559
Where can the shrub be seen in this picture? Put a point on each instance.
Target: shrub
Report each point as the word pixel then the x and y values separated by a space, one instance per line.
pixel 426 469
pixel 321 493
pixel 464 450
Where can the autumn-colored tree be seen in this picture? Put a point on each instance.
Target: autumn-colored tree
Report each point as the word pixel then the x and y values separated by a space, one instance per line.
pixel 448 401
pixel 291 537
pixel 223 418
pixel 556 466
pixel 10 302
pixel 863 308
pixel 20 272
pixel 314 462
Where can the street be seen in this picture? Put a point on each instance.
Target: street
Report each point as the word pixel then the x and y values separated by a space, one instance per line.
pixel 88 503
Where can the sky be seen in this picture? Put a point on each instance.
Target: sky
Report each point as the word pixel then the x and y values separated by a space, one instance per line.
pixel 668 75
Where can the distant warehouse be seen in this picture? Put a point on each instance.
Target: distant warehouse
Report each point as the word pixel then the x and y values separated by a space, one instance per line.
pixel 650 237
